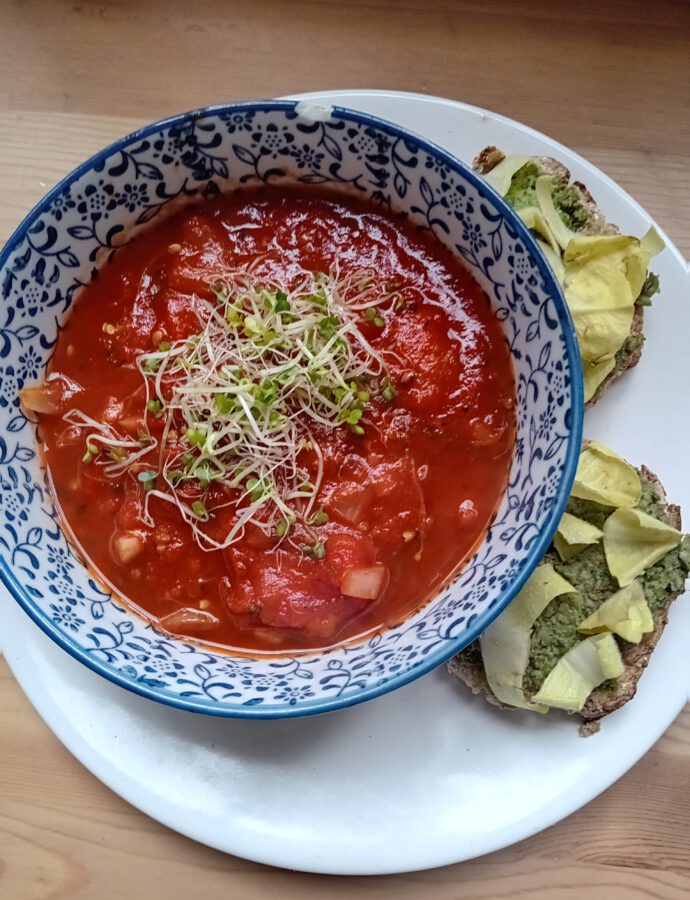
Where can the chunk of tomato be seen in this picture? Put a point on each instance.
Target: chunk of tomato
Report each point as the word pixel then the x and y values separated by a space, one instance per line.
pixel 201 257
pixel 288 590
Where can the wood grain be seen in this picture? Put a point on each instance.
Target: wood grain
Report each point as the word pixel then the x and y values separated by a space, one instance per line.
pixel 607 78
pixel 65 835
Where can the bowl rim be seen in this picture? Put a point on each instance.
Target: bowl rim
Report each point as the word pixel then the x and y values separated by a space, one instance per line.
pixel 546 531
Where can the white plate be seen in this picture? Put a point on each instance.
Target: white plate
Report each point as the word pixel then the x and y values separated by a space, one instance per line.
pixel 428 775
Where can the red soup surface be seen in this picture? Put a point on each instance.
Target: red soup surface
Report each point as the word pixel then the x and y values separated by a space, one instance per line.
pixel 279 420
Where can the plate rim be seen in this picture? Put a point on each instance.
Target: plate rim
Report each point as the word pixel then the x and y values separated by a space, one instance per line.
pixel 109 777
pixel 439 856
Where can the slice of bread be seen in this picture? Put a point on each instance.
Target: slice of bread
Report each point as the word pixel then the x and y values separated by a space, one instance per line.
pixel 469 668
pixel 590 220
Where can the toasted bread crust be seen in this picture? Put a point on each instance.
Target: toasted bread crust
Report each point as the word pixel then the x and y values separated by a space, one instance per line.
pixel 490 157
pixel 636 657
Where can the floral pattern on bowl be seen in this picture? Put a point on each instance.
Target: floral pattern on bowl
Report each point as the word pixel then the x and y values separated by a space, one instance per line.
pixel 102 205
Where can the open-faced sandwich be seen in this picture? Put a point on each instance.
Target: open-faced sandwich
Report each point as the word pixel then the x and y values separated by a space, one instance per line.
pixel 604 274
pixel 580 633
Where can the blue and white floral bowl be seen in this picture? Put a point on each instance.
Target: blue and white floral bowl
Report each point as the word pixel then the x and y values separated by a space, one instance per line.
pixel 137 180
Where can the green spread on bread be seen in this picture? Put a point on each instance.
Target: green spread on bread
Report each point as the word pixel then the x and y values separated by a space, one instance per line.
pixel 506 643
pixel 603 273
pixel 619 589
pixel 580 633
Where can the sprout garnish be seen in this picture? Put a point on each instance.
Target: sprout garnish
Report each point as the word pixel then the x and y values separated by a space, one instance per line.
pixel 238 401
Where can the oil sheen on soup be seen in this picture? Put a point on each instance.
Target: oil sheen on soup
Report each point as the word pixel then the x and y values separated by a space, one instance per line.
pixel 278 420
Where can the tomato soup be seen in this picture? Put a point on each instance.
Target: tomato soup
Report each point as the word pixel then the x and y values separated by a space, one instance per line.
pixel 279 419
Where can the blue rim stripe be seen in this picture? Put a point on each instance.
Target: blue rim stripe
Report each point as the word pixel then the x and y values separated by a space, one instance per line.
pixel 539 545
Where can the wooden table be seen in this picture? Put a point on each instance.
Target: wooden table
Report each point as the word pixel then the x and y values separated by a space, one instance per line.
pixel 609 79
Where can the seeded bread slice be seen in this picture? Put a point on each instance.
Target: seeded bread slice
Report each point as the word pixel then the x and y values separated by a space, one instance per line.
pixel 469 668
pixel 592 222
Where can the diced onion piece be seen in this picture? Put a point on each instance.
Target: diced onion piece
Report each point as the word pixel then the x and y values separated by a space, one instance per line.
pixel 113 410
pixel 132 424
pixel 486 431
pixel 49 398
pixel 39 399
pixel 126 546
pixel 70 437
pixel 349 502
pixel 189 620
pixel 268 635
pixel 367 582
pixel 467 512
